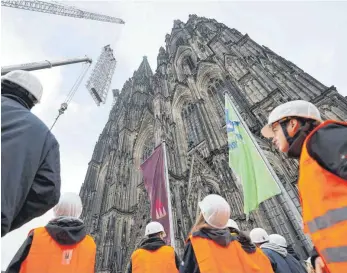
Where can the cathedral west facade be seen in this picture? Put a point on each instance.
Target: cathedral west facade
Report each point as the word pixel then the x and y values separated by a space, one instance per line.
pixel 183 104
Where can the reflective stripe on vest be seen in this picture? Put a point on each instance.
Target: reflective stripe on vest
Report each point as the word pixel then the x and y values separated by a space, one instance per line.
pixel 335 254
pixel 161 260
pixel 324 206
pixel 46 255
pixel 330 218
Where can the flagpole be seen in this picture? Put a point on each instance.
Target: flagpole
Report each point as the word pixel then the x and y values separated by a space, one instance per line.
pixel 168 192
pixel 294 209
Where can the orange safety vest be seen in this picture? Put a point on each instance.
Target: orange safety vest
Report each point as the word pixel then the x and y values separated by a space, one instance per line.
pixel 47 256
pixel 324 208
pixel 213 258
pixel 161 260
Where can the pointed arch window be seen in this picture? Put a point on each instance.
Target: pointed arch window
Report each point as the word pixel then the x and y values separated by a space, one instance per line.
pixel 192 124
pixel 216 88
pixel 147 150
pixel 179 42
pixel 190 63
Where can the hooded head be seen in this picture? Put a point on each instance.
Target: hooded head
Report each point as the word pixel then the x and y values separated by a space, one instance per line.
pixel 278 240
pixel 70 205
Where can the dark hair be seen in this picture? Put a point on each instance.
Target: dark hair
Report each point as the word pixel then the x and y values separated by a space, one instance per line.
pixel 241 236
pixel 17 93
pixel 154 234
pixel 311 123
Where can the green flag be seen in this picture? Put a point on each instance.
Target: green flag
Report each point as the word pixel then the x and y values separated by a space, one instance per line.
pixel 246 162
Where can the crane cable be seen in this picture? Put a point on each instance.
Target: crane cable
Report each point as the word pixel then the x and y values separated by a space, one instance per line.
pixel 72 92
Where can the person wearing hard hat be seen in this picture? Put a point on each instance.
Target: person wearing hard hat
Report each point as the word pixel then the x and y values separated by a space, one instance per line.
pixel 210 246
pixel 257 256
pixel 233 227
pixel 296 128
pixel 282 242
pixel 30 159
pixel 153 255
pixel 61 246
pixel 281 260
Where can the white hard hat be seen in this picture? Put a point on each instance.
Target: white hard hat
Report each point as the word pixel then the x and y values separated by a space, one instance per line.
pixel 70 205
pixel 27 81
pixel 153 228
pixel 295 108
pixel 259 235
pixel 278 240
pixel 232 224
pixel 215 210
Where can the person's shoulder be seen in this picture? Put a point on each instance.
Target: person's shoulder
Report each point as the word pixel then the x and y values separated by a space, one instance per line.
pixel 328 130
pixel 167 247
pixel 90 240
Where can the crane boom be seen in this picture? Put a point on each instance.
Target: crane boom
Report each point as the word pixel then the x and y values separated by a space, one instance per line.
pixel 59 9
pixel 43 65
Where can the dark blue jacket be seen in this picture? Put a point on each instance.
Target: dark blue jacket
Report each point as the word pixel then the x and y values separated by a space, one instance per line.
pixel 281 260
pixel 30 166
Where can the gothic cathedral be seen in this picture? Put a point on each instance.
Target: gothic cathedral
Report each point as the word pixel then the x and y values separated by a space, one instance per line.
pixel 183 104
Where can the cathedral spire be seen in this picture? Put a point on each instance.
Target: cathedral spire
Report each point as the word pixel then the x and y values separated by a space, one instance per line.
pixel 144 68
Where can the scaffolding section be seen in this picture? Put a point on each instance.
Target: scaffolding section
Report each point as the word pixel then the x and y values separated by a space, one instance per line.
pixel 100 79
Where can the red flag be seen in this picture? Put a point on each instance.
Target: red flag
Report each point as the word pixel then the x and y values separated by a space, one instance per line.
pixel 153 170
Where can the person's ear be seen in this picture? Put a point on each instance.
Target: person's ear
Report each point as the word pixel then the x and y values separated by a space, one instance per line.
pixel 293 127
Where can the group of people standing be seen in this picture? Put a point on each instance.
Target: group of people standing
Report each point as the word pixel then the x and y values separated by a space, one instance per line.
pixel 30 186
pixel 215 244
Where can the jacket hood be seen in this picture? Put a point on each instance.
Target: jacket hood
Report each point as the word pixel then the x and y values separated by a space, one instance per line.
pixel 246 243
pixel 66 230
pixel 219 236
pixel 152 243
pixel 280 250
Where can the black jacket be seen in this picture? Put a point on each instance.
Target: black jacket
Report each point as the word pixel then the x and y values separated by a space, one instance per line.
pixel 221 237
pixel 328 146
pixel 153 244
pixel 292 252
pixel 65 231
pixel 30 166
pixel 281 260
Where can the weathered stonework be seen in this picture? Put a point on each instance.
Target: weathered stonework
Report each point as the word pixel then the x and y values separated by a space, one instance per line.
pixel 183 103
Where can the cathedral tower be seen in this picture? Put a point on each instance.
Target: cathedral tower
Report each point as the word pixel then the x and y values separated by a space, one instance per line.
pixel 183 104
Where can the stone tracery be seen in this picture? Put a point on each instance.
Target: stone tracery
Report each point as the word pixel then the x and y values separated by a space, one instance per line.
pixel 189 114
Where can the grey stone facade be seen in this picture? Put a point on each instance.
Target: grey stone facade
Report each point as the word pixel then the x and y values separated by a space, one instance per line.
pixel 183 103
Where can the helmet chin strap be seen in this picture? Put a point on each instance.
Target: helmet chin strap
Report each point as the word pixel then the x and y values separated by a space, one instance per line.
pixel 296 141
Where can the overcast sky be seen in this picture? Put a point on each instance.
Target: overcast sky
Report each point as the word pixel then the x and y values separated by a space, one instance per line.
pixel 310 34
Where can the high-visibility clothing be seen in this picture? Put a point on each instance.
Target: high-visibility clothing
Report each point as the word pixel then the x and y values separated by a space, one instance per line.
pixel 161 260
pixel 324 205
pixel 47 256
pixel 214 258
